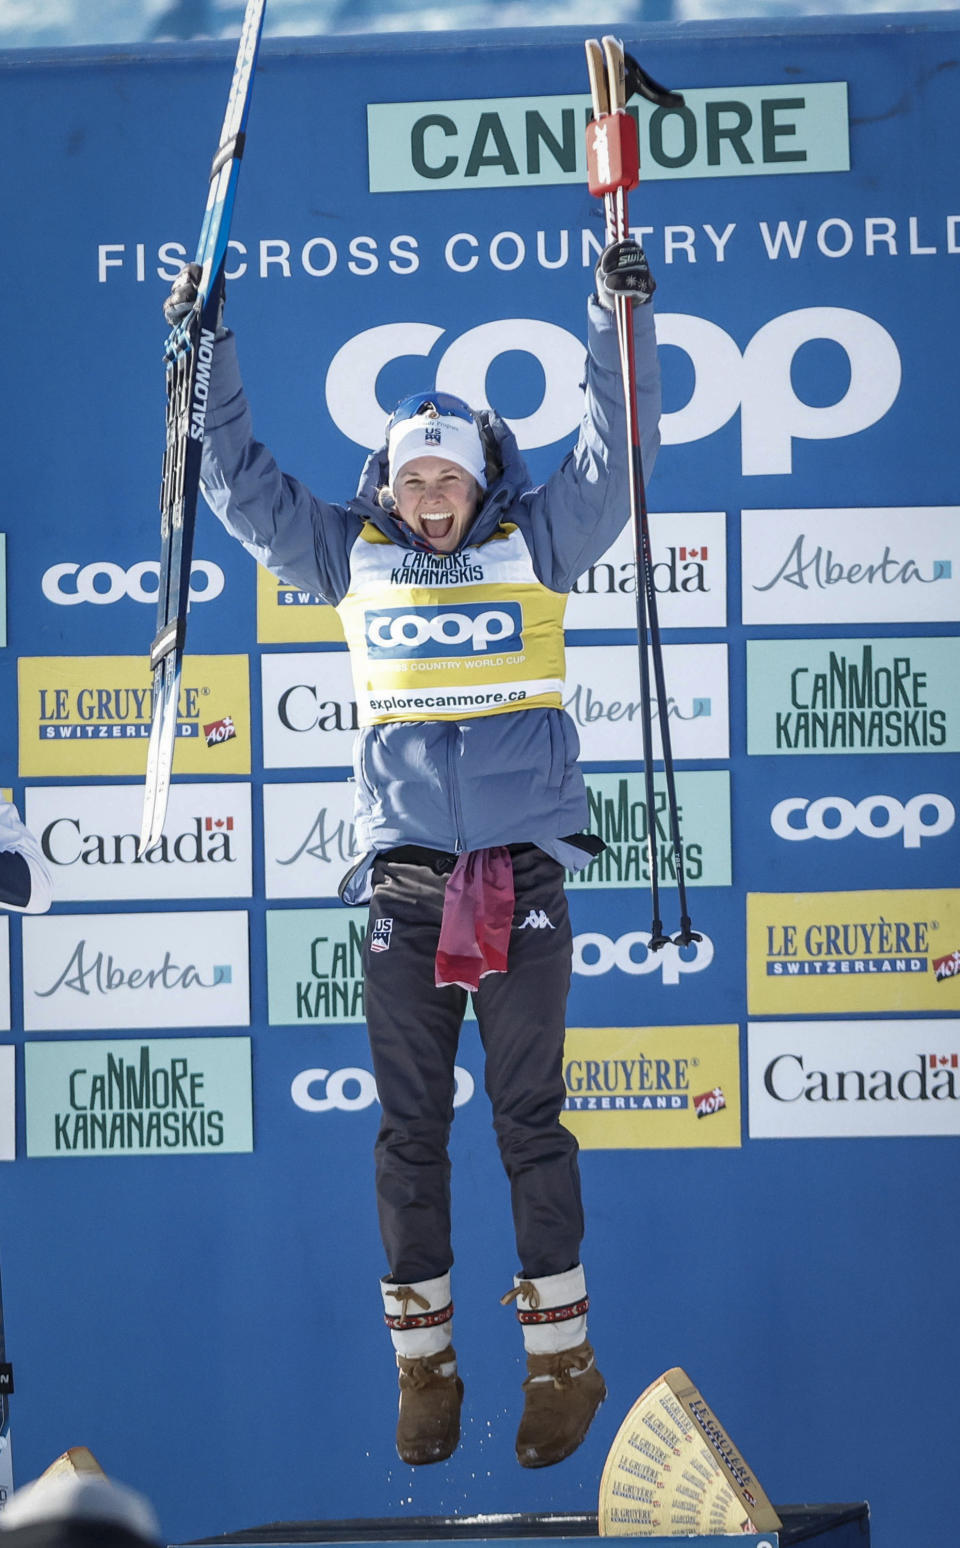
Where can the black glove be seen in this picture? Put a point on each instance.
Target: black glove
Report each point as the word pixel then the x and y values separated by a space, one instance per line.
pixel 622 270
pixel 183 294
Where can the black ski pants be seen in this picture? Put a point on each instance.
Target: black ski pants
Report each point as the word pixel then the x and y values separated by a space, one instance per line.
pixel 414 1030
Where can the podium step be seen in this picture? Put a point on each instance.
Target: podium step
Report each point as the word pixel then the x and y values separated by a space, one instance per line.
pixel 819 1526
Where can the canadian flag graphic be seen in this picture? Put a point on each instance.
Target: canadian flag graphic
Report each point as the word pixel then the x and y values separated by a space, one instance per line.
pixel 215 824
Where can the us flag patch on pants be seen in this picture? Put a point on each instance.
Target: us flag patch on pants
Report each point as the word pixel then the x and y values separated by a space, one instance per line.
pixel 380 935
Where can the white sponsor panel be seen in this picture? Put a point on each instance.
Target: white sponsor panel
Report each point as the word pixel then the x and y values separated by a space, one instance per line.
pixel 101 971
pixel 853 1079
pixel 8 1103
pixel 689 571
pixel 4 973
pixel 927 816
pixel 90 836
pixel 602 694
pixel 308 838
pixel 896 564
pixel 352 1089
pixel 595 954
pixel 309 710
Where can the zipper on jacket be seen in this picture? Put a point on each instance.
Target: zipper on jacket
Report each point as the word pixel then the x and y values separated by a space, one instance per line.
pixel 454 789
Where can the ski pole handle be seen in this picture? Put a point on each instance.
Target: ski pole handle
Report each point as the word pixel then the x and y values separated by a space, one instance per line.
pixel 613 153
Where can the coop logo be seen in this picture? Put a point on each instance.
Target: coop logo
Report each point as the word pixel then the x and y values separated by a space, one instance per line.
pixel 101 582
pixel 595 954
pixel 797 818
pixel 351 1090
pixel 471 629
pixel 757 381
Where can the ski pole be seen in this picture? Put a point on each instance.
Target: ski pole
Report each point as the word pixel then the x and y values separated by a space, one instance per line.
pixel 613 168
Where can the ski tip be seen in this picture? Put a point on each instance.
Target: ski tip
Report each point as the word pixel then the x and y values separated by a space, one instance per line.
pixel 148 837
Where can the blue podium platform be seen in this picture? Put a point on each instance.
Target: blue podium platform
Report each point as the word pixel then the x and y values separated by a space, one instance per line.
pixel 819 1526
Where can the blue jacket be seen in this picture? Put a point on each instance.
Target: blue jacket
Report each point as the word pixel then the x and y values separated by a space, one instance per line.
pixel 491 779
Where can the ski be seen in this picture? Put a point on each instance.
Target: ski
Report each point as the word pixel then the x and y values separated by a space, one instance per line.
pixel 613 168
pixel 6 1387
pixel 188 354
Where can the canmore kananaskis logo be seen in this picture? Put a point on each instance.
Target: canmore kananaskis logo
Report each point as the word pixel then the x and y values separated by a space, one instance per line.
pixel 315 965
pixel 857 696
pixel 189 1096
pixel 617 813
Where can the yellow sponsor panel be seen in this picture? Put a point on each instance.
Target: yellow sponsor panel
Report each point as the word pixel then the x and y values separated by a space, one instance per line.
pixel 91 715
pixel 810 953
pixel 653 1088
pixel 287 615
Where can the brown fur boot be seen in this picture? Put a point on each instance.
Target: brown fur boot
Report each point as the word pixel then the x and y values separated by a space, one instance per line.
pixel 563 1392
pixel 428 1428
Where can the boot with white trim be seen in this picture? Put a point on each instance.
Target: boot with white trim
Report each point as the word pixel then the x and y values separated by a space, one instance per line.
pixel 420 1319
pixel 563 1388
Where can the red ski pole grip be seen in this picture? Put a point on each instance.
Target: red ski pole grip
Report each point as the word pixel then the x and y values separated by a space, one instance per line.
pixel 613 154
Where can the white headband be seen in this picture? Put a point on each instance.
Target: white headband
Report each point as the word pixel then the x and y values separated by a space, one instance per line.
pixel 437 435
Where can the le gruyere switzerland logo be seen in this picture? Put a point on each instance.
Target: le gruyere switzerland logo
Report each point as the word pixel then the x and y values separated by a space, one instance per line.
pixel 810 953
pixel 647 1088
pixel 92 715
pixel 288 615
